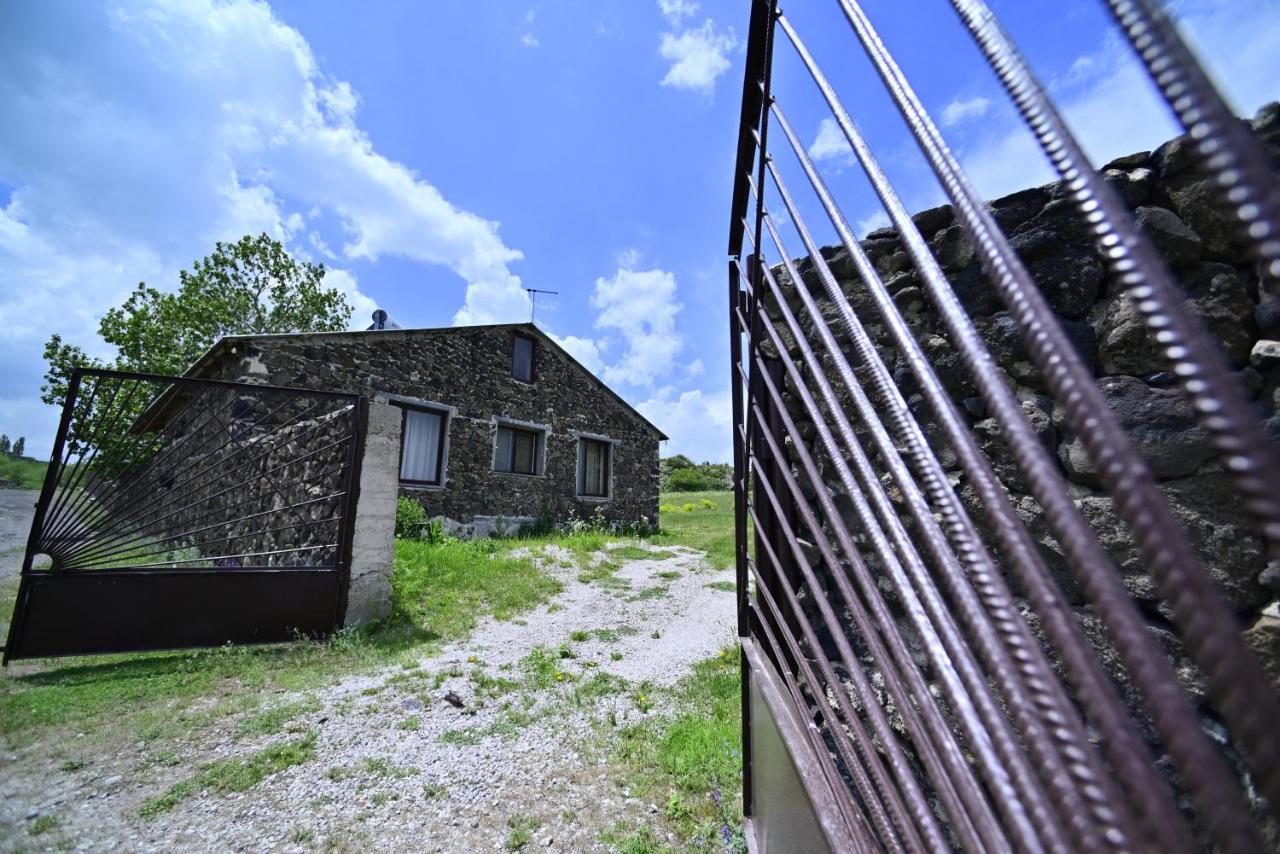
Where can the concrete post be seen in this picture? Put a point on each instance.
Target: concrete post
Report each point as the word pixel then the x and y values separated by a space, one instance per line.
pixel 369 594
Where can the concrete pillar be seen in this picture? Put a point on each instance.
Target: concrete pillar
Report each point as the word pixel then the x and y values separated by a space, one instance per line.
pixel 369 593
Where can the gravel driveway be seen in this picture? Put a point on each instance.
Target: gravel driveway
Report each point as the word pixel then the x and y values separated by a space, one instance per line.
pixel 396 767
pixel 17 506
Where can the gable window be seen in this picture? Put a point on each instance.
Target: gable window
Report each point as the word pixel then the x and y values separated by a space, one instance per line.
pixel 522 357
pixel 519 451
pixel 593 468
pixel 422 433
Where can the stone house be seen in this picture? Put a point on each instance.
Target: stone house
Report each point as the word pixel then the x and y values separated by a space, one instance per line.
pixel 488 427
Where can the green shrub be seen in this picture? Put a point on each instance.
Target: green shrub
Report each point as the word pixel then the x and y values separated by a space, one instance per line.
pixel 704 478
pixel 410 518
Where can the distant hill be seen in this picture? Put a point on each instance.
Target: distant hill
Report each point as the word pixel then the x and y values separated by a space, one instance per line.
pixel 24 472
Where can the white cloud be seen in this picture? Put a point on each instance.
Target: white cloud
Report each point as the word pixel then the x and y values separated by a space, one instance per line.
pixel 830 144
pixel 963 110
pixel 675 10
pixel 585 350
pixel 695 369
pixel 194 121
pixel 641 304
pixel 697 57
pixel 530 40
pixel 1112 107
pixel 700 423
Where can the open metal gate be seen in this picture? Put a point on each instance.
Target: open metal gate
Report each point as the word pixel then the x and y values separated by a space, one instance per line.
pixel 916 677
pixel 181 512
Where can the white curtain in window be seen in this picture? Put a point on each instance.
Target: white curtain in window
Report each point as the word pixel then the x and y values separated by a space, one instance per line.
pixel 422 436
pixel 502 462
pixel 593 468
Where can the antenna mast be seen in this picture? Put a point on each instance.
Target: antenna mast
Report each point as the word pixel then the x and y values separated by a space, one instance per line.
pixel 533 299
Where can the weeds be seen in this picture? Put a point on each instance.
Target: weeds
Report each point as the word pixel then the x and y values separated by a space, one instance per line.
pixel 233 775
pixel 521 828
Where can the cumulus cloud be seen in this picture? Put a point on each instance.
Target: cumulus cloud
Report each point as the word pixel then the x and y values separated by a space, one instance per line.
pixel 585 350
pixel 675 10
pixel 136 137
pixel 830 144
pixel 963 110
pixel 700 423
pixel 697 57
pixel 642 306
pixel 1112 107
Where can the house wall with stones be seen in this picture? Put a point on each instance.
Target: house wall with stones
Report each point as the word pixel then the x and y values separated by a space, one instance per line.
pixel 468 370
pixel 1171 202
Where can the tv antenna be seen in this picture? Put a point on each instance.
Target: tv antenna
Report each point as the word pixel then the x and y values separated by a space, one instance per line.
pixel 533 299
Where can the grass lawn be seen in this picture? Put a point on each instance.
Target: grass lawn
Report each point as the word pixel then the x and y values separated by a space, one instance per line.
pixel 441 591
pixel 25 472
pixel 690 763
pixel 700 520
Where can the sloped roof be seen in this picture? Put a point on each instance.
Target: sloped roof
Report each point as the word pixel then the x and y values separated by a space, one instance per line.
pixel 201 367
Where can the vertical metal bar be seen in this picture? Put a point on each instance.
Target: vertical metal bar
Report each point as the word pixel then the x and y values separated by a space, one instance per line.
pixel 740 537
pixel 359 415
pixel 51 475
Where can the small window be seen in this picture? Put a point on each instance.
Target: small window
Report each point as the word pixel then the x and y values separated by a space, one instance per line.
pixel 422 445
pixel 593 468
pixel 519 451
pixel 522 358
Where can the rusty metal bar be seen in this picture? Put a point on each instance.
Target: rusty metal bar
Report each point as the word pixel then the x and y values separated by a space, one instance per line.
pixel 1017 737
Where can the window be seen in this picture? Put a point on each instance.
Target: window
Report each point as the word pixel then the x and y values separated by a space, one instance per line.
pixel 422 445
pixel 593 468
pixel 519 451
pixel 522 358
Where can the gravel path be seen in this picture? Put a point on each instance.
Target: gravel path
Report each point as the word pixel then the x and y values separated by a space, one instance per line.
pixel 17 506
pixel 397 768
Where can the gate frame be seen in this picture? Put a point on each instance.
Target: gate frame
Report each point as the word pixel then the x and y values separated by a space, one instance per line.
pixel 191 586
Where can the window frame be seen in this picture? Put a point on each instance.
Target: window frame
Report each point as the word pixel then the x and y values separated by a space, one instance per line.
pixel 446 417
pixel 579 438
pixel 533 357
pixel 580 474
pixel 539 434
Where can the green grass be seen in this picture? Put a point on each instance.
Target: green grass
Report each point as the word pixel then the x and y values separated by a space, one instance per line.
pixel 708 530
pixel 25 472
pixel 440 593
pixel 690 761
pixel 446 588
pixel 233 775
pixel 521 829
pixel 273 720
pixel 727 586
pixel 633 553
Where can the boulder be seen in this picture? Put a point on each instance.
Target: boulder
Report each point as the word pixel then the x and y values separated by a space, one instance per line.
pixel 1179 245
pixel 1160 422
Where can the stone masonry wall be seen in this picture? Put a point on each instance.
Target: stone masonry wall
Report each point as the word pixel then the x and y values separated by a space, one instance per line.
pixel 1172 205
pixel 469 369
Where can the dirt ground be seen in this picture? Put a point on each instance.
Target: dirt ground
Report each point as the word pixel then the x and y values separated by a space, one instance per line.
pixel 520 759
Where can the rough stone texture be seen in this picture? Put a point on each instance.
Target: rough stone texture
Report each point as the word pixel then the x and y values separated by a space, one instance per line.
pixel 369 590
pixel 469 369
pixel 1170 201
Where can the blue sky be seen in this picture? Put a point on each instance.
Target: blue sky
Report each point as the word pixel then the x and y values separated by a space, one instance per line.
pixel 440 157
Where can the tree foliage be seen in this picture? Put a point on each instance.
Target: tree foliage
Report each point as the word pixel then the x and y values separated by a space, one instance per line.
pixel 681 474
pixel 249 287
pixel 19 446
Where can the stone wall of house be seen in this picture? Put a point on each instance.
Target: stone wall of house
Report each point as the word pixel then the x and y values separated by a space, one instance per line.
pixel 1172 205
pixel 469 371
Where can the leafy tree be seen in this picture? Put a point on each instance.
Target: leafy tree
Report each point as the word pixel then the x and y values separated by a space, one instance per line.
pixel 248 287
pixel 20 446
pixel 4 444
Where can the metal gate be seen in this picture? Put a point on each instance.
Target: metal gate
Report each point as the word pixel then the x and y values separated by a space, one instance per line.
pixel 903 636
pixel 181 512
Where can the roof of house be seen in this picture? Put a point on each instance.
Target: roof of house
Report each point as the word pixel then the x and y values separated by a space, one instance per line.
pixel 201 367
